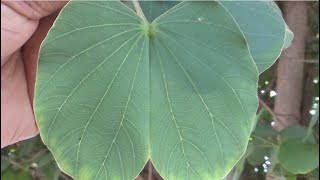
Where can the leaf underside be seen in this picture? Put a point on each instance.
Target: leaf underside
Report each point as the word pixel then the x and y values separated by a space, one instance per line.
pixel 113 91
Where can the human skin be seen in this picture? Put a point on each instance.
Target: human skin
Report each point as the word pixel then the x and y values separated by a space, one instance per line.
pixel 24 25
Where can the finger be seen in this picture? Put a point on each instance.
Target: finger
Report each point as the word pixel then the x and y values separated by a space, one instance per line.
pixel 15 30
pixel 19 21
pixel 17 120
pixel 35 9
pixel 31 49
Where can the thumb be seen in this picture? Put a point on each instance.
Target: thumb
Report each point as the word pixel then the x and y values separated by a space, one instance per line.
pixel 19 20
pixel 35 9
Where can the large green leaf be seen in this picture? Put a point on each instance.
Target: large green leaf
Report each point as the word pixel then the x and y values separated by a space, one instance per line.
pixel 113 91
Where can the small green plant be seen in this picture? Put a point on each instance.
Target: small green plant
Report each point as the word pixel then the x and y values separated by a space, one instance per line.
pixel 174 82
pixel 287 155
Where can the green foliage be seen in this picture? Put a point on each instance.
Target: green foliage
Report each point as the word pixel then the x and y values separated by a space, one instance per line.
pixel 262 143
pixel 293 152
pixel 296 132
pixel 298 145
pixel 14 174
pixel 113 91
pixel 4 165
pixel 269 145
pixel 29 159
pixel 314 175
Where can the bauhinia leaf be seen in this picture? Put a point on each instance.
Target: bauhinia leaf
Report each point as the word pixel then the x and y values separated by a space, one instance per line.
pixel 113 91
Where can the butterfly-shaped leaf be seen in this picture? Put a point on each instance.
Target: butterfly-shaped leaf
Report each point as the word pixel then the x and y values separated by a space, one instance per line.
pixel 113 91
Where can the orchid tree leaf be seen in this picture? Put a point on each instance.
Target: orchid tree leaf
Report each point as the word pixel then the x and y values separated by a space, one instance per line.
pixel 113 91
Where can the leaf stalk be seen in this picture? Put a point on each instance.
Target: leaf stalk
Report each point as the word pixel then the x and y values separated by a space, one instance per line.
pixel 139 11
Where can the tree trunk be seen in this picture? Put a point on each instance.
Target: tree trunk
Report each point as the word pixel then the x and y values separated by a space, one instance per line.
pixel 290 72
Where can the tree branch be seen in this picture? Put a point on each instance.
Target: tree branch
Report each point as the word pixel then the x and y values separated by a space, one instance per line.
pixel 275 119
pixel 13 162
pixel 311 61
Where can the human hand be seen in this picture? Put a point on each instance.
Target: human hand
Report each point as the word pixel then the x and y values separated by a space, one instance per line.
pixel 24 25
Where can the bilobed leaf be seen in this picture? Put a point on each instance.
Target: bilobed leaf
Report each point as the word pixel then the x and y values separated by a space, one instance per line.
pixel 113 91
